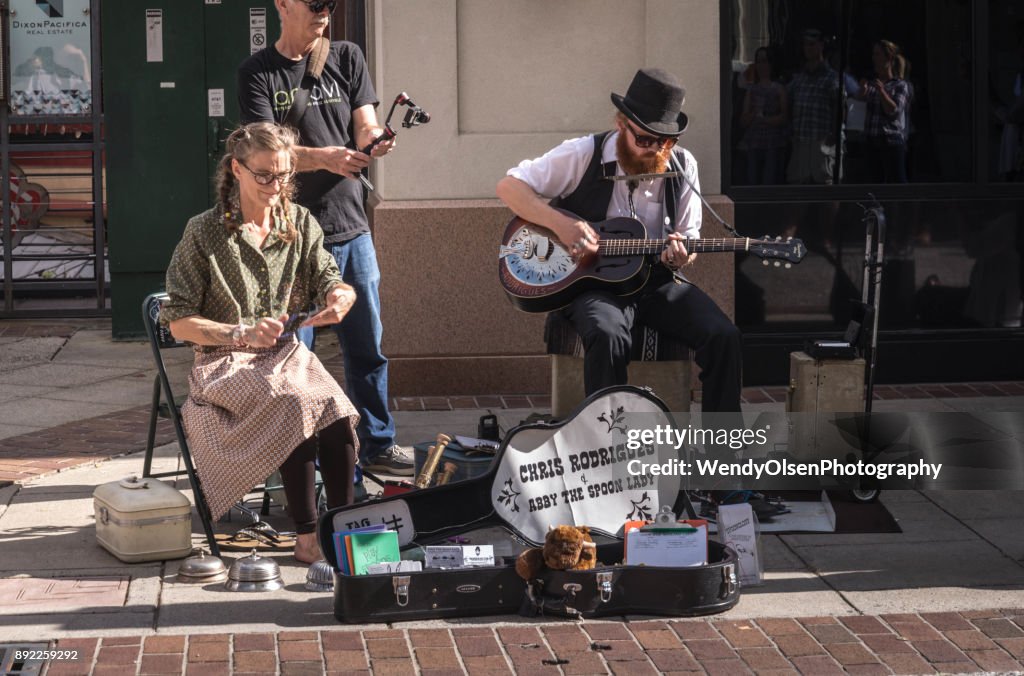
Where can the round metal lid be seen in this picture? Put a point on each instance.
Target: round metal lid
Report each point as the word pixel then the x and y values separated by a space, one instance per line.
pixel 320 577
pixel 202 566
pixel 254 568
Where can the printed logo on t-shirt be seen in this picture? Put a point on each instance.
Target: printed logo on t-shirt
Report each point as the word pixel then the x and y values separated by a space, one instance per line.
pixel 325 91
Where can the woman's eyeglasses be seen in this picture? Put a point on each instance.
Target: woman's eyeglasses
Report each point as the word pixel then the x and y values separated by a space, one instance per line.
pixel 317 6
pixel 644 141
pixel 266 177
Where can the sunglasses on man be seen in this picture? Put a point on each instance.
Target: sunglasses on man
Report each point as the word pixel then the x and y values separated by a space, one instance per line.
pixel 317 6
pixel 645 141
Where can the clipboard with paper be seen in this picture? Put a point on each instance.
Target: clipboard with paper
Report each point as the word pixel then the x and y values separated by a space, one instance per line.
pixel 680 545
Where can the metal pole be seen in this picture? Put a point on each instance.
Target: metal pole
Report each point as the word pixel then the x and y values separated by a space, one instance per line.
pixel 6 215
pixel 98 222
pixel 844 41
pixel 8 235
pixel 874 257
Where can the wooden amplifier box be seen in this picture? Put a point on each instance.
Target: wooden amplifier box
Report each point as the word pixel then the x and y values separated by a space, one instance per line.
pixel 821 387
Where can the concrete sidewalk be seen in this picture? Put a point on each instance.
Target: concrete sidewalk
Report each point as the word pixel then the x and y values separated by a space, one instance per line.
pixel 946 594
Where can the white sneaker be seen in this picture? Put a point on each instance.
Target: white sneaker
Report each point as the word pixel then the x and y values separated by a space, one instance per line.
pixel 396 460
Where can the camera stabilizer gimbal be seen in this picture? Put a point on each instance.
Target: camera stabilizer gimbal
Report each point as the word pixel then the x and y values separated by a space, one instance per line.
pixel 415 116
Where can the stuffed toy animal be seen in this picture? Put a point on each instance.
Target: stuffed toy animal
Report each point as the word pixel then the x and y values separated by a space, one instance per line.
pixel 565 548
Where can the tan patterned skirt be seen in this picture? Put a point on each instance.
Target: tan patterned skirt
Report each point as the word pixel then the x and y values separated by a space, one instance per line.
pixel 247 410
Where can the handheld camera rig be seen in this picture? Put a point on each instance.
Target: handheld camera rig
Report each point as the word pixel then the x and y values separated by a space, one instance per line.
pixel 414 117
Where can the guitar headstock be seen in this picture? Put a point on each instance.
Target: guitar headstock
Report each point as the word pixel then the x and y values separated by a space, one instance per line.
pixel 788 251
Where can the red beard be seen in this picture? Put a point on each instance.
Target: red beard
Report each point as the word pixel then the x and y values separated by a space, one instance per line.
pixel 633 163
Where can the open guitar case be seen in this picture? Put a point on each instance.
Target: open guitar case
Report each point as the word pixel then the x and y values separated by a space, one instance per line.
pixel 568 472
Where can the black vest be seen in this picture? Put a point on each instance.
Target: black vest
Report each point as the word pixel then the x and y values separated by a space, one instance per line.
pixel 592 196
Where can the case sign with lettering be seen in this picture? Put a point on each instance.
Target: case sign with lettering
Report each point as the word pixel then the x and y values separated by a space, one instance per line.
pixel 576 473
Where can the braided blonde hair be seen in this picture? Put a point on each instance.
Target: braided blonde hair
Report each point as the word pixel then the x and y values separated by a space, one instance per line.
pixel 244 142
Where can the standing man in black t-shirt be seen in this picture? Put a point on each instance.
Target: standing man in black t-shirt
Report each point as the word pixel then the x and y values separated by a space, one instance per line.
pixel 339 118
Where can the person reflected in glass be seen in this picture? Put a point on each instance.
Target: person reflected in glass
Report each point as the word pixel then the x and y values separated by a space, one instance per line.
pixel 765 112
pixel 813 96
pixel 887 122
pixel 1010 114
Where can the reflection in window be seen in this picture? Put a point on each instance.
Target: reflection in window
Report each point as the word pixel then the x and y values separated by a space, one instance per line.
pixel 880 95
pixel 949 264
pixel 1006 89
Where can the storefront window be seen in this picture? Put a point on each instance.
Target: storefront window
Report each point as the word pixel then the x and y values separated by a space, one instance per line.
pixel 50 58
pixel 1006 90
pixel 874 93
pixel 829 92
pixel 948 264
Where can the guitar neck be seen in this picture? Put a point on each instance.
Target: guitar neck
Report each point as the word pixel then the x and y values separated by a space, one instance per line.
pixel 643 247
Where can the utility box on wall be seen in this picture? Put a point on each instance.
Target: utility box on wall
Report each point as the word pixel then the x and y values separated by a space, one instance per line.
pixel 170 100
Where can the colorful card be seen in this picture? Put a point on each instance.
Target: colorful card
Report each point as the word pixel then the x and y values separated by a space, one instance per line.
pixel 371 548
pixel 340 555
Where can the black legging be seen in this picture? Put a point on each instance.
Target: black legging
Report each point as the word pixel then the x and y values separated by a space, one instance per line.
pixel 337 468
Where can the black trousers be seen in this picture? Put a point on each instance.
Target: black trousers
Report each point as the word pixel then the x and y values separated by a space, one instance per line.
pixel 604 322
pixel 335 449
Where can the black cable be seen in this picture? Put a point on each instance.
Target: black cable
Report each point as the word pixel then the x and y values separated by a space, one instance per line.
pixel 721 221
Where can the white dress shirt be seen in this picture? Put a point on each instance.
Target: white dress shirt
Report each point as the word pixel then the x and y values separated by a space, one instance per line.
pixel 559 171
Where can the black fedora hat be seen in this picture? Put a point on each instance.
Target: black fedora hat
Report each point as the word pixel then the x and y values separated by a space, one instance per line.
pixel 653 102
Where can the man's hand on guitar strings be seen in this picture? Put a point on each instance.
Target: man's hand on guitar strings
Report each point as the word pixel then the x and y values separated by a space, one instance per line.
pixel 581 240
pixel 674 255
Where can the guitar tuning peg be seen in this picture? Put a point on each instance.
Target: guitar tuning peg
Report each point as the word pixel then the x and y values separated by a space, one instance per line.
pixel 778 238
pixel 778 264
pixel 765 262
pixel 789 239
pixel 788 266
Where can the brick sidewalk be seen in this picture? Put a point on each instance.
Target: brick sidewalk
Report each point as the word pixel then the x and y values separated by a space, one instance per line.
pixel 965 642
pixel 81 442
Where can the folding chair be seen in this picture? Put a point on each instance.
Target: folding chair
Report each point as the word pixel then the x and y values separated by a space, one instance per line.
pixel 166 405
pixel 160 338
pixel 161 409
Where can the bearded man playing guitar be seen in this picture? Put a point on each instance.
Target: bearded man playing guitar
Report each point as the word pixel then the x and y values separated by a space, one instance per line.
pixel 575 175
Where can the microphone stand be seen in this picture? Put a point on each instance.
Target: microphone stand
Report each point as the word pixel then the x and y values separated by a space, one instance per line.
pixel 874 258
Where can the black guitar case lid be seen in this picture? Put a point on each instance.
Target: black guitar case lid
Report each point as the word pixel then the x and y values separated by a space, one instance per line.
pixel 574 471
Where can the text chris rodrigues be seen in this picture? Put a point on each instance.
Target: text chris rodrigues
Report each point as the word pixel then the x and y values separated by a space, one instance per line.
pixel 677 437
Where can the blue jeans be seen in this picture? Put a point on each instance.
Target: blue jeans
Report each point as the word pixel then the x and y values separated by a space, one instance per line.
pixel 359 335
